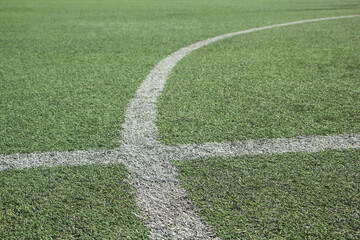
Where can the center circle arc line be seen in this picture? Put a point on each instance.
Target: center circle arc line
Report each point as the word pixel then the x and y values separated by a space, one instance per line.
pixel 139 127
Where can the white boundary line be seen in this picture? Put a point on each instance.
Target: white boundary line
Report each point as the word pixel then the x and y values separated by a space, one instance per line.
pixel 139 126
pixel 168 213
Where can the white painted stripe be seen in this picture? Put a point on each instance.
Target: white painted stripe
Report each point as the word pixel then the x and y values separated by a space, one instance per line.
pixel 53 159
pixel 139 126
pixel 167 210
pixel 183 152
pixel 264 146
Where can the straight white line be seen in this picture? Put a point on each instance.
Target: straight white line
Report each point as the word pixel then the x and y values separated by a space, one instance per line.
pixel 53 159
pixel 264 146
pixel 182 152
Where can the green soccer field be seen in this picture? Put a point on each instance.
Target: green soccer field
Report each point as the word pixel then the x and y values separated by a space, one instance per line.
pixel 68 70
pixel 86 202
pixel 280 196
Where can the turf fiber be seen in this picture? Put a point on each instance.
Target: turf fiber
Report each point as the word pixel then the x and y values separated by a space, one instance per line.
pixel 283 196
pixel 85 202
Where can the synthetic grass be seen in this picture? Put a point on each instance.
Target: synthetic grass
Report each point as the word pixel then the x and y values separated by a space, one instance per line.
pixel 86 202
pixel 69 68
pixel 288 196
pixel 284 82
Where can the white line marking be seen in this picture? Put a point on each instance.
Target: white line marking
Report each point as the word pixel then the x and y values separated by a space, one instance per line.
pixel 265 146
pixel 139 126
pixel 139 130
pixel 53 159
pixel 169 215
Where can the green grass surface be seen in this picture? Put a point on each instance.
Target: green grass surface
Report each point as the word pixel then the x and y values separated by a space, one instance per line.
pixel 86 202
pixel 69 68
pixel 288 196
pixel 284 82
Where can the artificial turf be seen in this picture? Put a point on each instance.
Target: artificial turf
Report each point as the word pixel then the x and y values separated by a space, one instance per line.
pixel 284 82
pixel 280 196
pixel 67 72
pixel 84 202
pixel 69 68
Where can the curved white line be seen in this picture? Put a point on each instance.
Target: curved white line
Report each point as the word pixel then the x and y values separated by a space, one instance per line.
pixel 169 214
pixel 139 126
